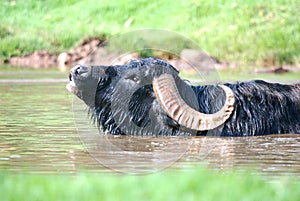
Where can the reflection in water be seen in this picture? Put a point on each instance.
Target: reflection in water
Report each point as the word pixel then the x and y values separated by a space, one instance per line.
pixel 38 134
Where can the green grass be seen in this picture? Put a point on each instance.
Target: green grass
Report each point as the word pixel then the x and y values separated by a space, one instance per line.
pixel 196 184
pixel 248 33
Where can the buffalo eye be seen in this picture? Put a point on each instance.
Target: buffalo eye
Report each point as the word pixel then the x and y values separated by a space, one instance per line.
pixel 134 78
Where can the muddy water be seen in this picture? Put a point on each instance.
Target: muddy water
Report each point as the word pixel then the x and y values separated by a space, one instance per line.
pixel 43 129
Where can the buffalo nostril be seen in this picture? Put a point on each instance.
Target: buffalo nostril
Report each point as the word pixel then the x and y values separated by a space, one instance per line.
pixel 74 72
pixel 78 69
pixel 70 76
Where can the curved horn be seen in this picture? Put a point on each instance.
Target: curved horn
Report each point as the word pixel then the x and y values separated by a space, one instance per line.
pixel 169 98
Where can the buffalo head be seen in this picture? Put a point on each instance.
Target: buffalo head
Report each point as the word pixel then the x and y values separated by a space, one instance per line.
pixel 145 97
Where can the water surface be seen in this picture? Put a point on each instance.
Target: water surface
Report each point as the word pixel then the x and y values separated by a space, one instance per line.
pixel 39 132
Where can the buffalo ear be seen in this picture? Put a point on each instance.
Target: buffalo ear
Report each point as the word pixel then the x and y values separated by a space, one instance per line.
pixel 111 71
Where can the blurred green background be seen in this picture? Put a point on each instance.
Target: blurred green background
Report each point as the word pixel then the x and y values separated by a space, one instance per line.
pixel 250 33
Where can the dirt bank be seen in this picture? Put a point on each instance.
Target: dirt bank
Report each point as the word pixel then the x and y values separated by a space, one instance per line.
pixel 44 59
pixel 94 51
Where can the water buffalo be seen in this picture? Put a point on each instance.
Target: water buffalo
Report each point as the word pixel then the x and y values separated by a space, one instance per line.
pixel 147 97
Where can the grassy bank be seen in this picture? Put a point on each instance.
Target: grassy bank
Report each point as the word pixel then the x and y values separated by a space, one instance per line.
pixel 251 33
pixel 198 184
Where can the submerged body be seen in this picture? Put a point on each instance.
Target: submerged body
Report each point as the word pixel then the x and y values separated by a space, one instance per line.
pixel 139 99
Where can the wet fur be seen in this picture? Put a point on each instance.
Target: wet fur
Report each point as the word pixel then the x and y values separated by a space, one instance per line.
pixel 261 108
